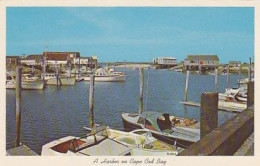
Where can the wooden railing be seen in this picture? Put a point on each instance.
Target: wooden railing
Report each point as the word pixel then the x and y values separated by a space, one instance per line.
pixel 228 137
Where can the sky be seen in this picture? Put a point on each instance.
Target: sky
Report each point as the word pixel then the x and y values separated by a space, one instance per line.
pixel 133 34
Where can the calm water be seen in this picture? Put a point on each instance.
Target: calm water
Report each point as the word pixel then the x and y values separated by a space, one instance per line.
pixel 56 112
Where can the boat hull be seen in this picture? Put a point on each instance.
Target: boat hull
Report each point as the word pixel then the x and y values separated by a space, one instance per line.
pixel 116 78
pixel 62 81
pixel 27 85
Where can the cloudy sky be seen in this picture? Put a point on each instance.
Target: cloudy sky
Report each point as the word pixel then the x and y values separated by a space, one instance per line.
pixel 136 34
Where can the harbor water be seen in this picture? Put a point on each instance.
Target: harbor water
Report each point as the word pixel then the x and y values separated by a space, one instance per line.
pixel 56 112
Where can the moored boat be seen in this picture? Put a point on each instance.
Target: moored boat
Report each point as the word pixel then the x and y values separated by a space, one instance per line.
pixel 107 75
pixel 143 143
pixel 170 129
pixel 29 82
pixel 94 144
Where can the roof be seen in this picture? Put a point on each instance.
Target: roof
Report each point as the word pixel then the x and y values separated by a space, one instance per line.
pixel 12 56
pixel 234 62
pixel 57 57
pixel 86 58
pixel 202 57
pixel 33 57
pixel 152 117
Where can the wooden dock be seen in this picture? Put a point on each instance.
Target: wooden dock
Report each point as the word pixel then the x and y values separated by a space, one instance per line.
pixel 21 150
pixel 224 106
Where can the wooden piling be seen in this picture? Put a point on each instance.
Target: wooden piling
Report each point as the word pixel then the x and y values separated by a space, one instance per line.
pixel 141 74
pixel 70 70
pixel 18 104
pixel 228 76
pixel 249 69
pixel 124 68
pixel 208 113
pixel 186 86
pixel 91 100
pixel 250 93
pixel 216 80
pixel 44 67
pixel 239 75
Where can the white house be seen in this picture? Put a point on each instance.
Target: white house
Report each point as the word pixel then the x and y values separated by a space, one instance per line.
pixel 165 62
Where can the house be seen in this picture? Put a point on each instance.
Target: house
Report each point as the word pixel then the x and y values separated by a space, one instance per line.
pixel 234 63
pixel 60 58
pixel 201 62
pixel 32 60
pixel 164 62
pixel 87 61
pixel 12 60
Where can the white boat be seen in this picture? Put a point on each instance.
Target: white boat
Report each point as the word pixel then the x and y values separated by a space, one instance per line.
pixel 107 75
pixel 170 129
pixel 54 79
pixel 29 82
pixel 238 95
pixel 94 144
pixel 142 143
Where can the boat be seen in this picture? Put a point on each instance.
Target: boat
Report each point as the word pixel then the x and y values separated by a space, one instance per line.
pixel 238 95
pixel 142 143
pixel 164 127
pixel 107 75
pixel 28 82
pixel 93 144
pixel 57 79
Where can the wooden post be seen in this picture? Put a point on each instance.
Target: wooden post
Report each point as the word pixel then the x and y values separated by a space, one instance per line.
pixel 216 80
pixel 239 75
pixel 249 69
pixel 141 74
pixel 250 93
pixel 91 100
pixel 44 67
pixel 124 68
pixel 228 77
pixel 18 104
pixel 199 68
pixel 186 86
pixel 70 69
pixel 208 113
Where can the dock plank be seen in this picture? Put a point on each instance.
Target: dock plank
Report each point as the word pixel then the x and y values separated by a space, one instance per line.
pixel 22 150
pixel 224 106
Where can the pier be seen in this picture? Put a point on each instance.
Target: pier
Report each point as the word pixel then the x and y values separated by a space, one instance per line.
pixel 234 137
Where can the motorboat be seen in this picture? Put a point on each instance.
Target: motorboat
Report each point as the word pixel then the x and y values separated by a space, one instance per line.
pixel 238 95
pixel 28 82
pixel 142 143
pixel 165 127
pixel 93 144
pixel 107 75
pixel 57 79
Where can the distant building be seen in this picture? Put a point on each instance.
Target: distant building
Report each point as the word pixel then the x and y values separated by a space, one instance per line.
pixel 164 62
pixel 234 63
pixel 201 62
pixel 60 58
pixel 90 62
pixel 32 60
pixel 12 60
